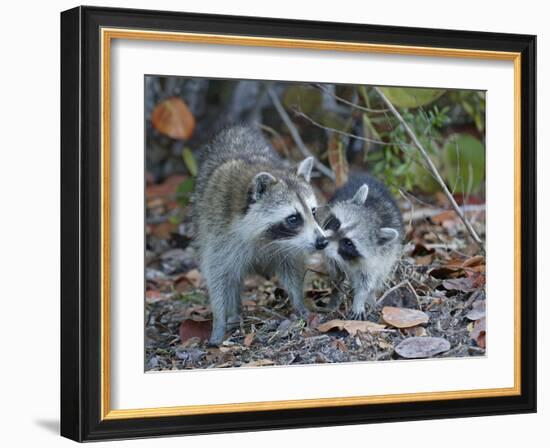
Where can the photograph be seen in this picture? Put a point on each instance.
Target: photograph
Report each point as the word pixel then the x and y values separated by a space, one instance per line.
pixel 294 223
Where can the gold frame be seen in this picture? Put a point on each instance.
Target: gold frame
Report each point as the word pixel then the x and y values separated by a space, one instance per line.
pixel 107 35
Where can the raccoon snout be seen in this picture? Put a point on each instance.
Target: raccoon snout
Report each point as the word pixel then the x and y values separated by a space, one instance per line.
pixel 321 243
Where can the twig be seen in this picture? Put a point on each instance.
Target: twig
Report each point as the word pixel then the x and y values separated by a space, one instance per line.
pixel 423 213
pixel 277 135
pixel 349 103
pixel 347 134
pixel 432 167
pixel 296 136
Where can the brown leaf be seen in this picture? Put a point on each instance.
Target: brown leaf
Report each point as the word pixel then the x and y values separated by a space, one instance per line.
pixel 420 250
pixel 172 117
pixel 351 326
pixel 474 261
pixel 194 277
pixel 447 215
pixel 337 160
pixel 339 344
pixel 313 320
pixel 444 272
pixel 163 230
pixel 248 339
pixel 152 296
pixel 195 329
pixel 479 332
pixel 166 188
pixel 423 347
pixel 259 363
pixel 403 317
pixel 425 260
pixel 197 312
pixel 464 284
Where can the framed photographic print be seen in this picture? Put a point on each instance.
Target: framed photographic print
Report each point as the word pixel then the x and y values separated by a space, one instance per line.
pixel 277 224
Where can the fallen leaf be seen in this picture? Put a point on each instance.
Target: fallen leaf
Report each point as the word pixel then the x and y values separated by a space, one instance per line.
pixel 479 332
pixel 167 188
pixel 194 277
pixel 248 339
pixel 339 344
pixel 403 317
pixel 445 272
pixel 313 320
pixel 351 326
pixel 163 230
pixel 422 347
pixel 401 296
pixel 190 328
pixel 447 215
pixel 424 260
pixel 259 363
pixel 197 312
pixel 474 261
pixel 477 311
pixel 464 284
pixel 173 118
pixel 421 250
pixel 152 296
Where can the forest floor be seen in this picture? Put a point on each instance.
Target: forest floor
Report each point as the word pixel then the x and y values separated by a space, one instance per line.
pixel 434 305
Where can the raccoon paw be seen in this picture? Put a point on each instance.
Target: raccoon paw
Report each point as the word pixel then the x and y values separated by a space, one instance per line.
pixel 357 315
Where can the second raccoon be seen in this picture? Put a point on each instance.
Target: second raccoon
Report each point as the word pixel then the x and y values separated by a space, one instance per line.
pixel 365 229
pixel 254 214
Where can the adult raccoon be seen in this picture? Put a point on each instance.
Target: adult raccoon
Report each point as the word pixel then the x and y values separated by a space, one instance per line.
pixel 254 214
pixel 365 228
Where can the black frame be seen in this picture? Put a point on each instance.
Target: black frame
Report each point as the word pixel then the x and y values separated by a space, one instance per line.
pixel 80 224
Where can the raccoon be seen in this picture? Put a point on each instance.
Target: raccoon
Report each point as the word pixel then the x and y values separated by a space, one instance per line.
pixel 365 229
pixel 254 214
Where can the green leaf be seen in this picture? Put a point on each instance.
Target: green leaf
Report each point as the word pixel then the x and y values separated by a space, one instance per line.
pixel 306 99
pixel 190 162
pixel 464 163
pixel 405 98
pixel 183 192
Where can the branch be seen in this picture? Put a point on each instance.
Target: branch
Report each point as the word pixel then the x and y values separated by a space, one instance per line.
pixel 423 213
pixel 296 136
pixel 432 168
pixel 349 103
pixel 347 134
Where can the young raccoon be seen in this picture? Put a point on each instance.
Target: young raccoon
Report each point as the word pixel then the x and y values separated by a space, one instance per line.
pixel 254 214
pixel 364 228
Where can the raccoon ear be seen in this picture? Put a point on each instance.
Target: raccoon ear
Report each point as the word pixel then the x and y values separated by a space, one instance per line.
pixel 304 169
pixel 361 195
pixel 260 184
pixel 387 235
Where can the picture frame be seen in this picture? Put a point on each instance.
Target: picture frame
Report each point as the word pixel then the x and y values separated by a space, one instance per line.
pixel 86 210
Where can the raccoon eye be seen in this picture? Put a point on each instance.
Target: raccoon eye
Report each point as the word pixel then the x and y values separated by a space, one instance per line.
pixel 332 223
pixel 346 242
pixel 293 220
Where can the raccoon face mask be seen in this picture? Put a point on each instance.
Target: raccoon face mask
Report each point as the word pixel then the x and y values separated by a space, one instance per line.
pixel 354 235
pixel 282 210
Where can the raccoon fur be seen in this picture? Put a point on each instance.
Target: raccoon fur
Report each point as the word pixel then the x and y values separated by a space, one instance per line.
pixel 254 214
pixel 365 229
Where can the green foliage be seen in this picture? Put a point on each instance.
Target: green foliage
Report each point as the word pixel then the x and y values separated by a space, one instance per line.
pixel 460 159
pixel 399 162
pixel 405 97
pixel 183 193
pixel 190 162
pixel 464 157
pixel 305 98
